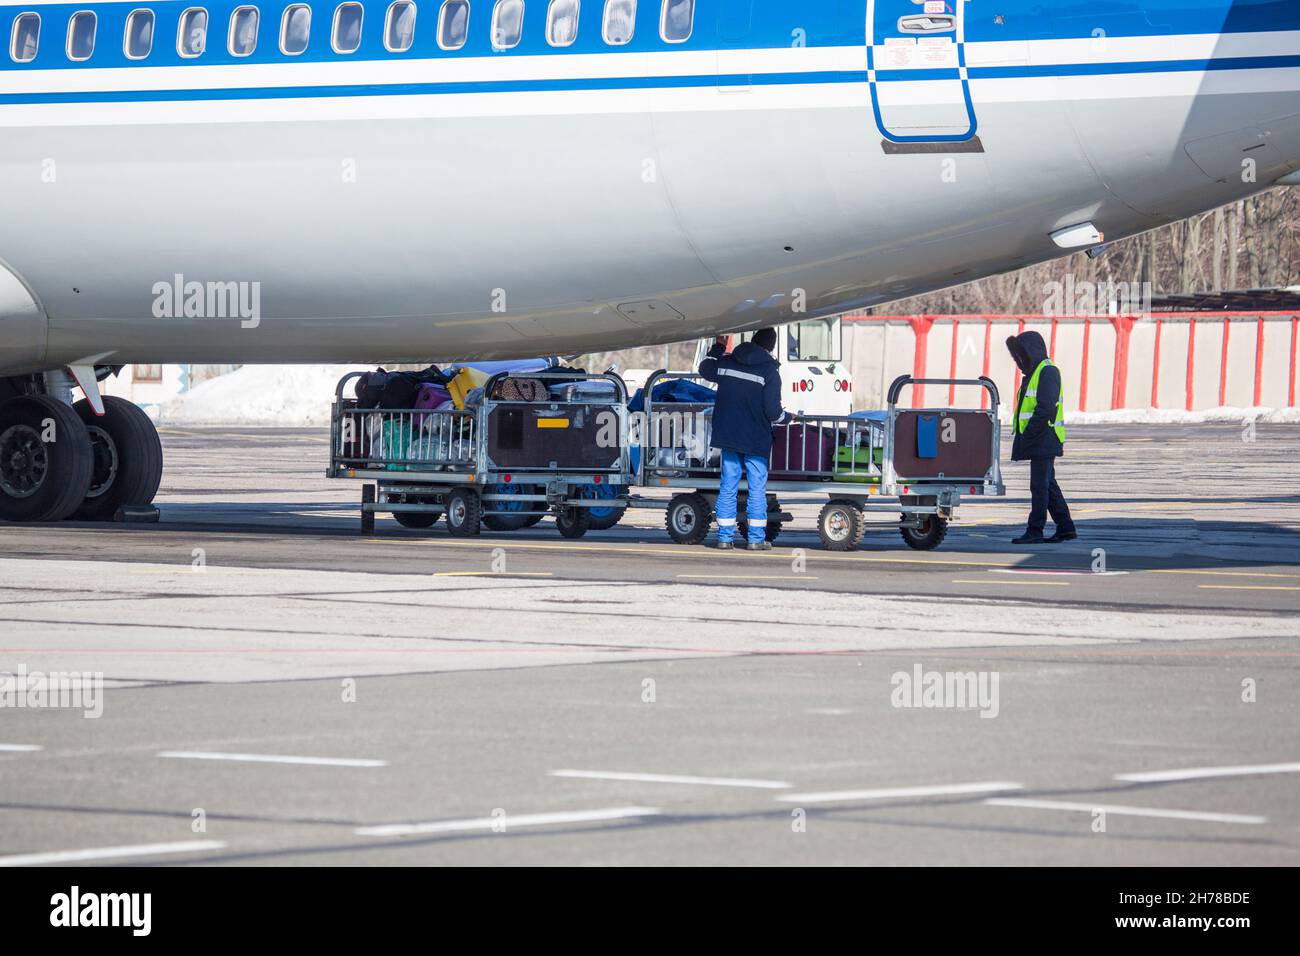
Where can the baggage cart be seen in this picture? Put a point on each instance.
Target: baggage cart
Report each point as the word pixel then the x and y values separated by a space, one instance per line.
pixel 915 463
pixel 504 464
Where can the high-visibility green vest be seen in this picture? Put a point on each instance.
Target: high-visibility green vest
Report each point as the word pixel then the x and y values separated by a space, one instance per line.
pixel 1030 402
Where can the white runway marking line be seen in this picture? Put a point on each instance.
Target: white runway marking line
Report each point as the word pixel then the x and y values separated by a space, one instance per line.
pixel 885 793
pixel 110 853
pixel 273 758
pixel 1207 773
pixel 508 821
pixel 20 748
pixel 673 778
pixel 1124 811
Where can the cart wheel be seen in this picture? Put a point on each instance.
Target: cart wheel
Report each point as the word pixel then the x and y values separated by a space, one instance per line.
pixel 511 522
pixel 573 522
pixel 416 520
pixel 602 519
pixel 927 537
pixel 688 518
pixel 367 517
pixel 463 513
pixel 841 525
pixel 534 519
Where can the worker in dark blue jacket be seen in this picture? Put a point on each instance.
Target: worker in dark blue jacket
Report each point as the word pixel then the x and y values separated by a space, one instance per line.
pixel 1040 438
pixel 747 409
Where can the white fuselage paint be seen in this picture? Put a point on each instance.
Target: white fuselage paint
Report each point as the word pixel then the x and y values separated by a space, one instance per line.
pixel 495 225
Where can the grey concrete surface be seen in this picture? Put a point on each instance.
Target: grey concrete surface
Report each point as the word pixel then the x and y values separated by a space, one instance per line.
pixel 548 713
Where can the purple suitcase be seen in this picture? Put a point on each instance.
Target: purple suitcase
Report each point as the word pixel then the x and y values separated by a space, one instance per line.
pixel 799 449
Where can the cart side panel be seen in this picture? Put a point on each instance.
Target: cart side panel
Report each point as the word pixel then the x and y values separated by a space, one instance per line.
pixel 527 436
pixel 965 457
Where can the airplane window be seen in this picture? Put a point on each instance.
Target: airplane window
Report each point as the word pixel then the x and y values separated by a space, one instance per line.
pixel 26 38
pixel 192 36
pixel 347 27
pixel 295 28
pixel 399 33
pixel 562 23
pixel 139 34
pixel 507 24
pixel 243 31
pixel 620 21
pixel 81 35
pixel 678 20
pixel 453 24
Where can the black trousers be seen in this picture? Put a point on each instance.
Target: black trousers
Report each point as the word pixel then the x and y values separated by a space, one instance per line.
pixel 1045 497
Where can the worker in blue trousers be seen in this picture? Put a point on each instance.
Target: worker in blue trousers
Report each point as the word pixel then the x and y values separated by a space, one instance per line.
pixel 748 408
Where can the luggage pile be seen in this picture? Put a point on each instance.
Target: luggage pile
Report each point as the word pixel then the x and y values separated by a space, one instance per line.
pixel 495 446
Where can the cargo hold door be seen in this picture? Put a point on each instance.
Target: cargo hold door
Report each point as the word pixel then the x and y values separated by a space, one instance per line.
pixel 916 66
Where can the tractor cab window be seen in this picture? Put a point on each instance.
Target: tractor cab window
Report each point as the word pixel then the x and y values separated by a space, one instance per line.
pixel 816 340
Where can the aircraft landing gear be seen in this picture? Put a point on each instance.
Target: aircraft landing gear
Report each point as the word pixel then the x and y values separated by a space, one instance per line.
pixel 45 459
pixel 128 458
pixel 59 460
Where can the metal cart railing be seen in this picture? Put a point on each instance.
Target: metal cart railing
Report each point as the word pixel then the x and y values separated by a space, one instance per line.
pixel 504 464
pixel 864 464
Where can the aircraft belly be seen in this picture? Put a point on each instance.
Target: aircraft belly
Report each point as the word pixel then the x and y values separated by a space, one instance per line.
pixel 399 235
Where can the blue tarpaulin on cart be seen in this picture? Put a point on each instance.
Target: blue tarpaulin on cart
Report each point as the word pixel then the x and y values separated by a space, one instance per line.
pixel 674 390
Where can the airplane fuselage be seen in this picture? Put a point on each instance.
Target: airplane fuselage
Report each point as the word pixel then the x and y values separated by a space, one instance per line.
pixel 784 161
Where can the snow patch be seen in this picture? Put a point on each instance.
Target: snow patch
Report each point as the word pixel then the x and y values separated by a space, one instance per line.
pixel 1174 416
pixel 285 395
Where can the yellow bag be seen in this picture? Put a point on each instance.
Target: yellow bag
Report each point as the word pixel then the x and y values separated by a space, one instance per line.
pixel 466 380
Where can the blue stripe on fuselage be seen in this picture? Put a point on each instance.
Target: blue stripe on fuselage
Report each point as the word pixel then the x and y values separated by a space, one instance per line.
pixel 640 82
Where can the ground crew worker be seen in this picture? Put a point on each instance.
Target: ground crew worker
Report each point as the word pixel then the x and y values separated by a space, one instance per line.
pixel 748 407
pixel 1040 438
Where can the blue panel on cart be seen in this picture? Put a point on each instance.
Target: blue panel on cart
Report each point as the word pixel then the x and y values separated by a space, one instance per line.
pixel 927 436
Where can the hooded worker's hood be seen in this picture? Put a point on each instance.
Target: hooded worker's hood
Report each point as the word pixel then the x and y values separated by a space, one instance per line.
pixel 751 354
pixel 1028 349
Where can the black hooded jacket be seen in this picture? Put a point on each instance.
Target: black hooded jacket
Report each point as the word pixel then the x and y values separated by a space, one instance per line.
pixel 1039 439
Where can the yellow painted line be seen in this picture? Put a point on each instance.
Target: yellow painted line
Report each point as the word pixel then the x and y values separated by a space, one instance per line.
pixel 1248 587
pixel 752 577
pixel 1048 584
pixel 1227 574
pixel 489 574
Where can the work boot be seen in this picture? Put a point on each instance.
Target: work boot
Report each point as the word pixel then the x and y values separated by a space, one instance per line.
pixel 1062 536
pixel 1030 537
pixel 725 546
pixel 760 546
